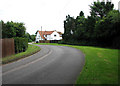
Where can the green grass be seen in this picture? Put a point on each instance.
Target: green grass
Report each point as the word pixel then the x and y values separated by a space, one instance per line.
pixel 31 50
pixel 101 65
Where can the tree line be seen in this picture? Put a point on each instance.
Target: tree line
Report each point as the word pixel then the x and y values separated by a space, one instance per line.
pixel 101 28
pixel 15 29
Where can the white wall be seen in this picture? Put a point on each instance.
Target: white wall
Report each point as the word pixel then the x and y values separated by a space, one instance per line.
pixel 57 37
pixel 49 37
pixel 38 37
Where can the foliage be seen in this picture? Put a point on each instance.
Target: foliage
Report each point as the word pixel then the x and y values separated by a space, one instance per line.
pixel 100 9
pixel 80 21
pixel 107 29
pixel 33 37
pixel 69 25
pixel 13 29
pixel 81 13
pixel 27 35
pixel 21 44
pixel 99 29
pixel 30 37
pixel 36 32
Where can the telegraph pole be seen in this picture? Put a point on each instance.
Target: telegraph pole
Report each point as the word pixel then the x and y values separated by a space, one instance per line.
pixel 41 32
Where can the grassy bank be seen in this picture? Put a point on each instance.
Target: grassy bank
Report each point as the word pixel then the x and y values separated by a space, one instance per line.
pixel 31 50
pixel 101 65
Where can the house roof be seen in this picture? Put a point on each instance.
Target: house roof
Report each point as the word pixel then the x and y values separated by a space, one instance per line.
pixel 59 32
pixel 42 33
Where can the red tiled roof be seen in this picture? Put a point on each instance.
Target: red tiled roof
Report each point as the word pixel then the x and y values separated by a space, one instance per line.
pixel 42 33
pixel 59 33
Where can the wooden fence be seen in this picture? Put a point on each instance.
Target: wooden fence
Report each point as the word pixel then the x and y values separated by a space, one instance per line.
pixel 7 47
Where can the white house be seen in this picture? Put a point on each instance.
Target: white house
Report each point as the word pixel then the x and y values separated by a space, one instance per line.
pixel 48 35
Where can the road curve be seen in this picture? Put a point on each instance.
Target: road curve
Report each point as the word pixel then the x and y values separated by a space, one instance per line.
pixel 52 65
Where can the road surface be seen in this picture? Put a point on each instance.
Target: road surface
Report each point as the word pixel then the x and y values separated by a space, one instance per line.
pixel 52 65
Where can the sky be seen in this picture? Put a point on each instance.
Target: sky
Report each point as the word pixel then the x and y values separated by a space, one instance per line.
pixel 49 14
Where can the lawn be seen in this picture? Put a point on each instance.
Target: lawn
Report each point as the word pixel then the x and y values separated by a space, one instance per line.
pixel 101 65
pixel 31 50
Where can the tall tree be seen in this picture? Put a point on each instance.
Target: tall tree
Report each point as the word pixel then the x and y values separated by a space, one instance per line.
pixel 20 29
pixel 80 29
pixel 101 28
pixel 107 28
pixel 100 9
pixel 33 37
pixel 81 13
pixel 8 30
pixel 13 29
pixel 27 35
pixel 69 27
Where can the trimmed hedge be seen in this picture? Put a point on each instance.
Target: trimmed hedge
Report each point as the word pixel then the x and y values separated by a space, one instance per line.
pixel 21 44
pixel 114 44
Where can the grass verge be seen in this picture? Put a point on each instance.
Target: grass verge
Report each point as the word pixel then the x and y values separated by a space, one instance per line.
pixel 31 50
pixel 101 65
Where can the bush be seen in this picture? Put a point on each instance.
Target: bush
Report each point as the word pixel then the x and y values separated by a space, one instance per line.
pixel 21 44
pixel 116 43
pixel 61 42
pixel 29 40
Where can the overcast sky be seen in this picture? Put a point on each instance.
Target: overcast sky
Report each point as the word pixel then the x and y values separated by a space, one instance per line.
pixel 49 14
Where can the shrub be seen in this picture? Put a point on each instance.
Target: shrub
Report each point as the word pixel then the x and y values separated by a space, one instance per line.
pixel 21 44
pixel 29 40
pixel 61 42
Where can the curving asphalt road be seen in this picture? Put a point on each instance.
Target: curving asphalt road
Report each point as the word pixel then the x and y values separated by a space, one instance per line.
pixel 52 65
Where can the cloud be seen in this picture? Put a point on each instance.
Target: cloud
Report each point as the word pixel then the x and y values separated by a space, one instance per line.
pixel 49 14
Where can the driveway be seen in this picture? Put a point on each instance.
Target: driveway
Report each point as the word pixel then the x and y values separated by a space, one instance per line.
pixel 52 65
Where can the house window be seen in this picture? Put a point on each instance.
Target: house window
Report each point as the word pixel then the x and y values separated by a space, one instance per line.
pixel 54 35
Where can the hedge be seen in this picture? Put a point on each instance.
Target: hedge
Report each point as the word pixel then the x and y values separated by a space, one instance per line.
pixel 111 44
pixel 21 44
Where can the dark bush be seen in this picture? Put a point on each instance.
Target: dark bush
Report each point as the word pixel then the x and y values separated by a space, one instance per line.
pixel 29 40
pixel 21 44
pixel 54 41
pixel 61 42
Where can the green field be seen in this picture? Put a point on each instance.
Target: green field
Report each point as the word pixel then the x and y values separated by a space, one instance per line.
pixel 101 65
pixel 31 50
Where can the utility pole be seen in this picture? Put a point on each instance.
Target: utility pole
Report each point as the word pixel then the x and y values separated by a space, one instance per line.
pixel 41 32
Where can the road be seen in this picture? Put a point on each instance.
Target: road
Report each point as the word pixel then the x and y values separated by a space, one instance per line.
pixel 52 65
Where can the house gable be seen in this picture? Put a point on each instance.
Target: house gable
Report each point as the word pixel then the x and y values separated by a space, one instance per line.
pixel 55 35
